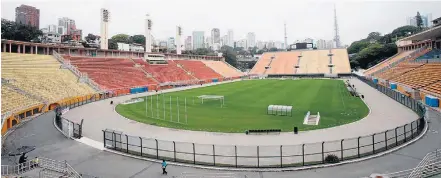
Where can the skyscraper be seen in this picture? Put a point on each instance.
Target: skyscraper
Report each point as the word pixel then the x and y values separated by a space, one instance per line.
pixel 215 36
pixel 321 44
pixel 224 40
pixel 198 39
pixel 188 43
pixel 171 43
pixel 230 38
pixel 28 15
pixel 251 40
pixel 67 24
pixel 427 20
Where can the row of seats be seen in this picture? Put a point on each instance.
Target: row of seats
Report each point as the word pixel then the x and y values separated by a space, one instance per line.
pixel 398 70
pixel 384 64
pixel 42 76
pixel 11 100
pixel 112 73
pixel 311 62
pixel 421 77
pixel 223 68
pixel 198 69
pixel 433 54
pixel 169 72
pixel 434 88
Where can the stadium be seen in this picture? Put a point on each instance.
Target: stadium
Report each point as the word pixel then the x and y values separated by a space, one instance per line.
pixel 87 112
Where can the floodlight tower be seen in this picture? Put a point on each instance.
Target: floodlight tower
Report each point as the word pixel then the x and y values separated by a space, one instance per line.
pixel 178 39
pixel 148 38
pixel 105 14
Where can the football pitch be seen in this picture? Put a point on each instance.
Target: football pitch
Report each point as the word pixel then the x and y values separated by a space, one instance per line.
pixel 246 104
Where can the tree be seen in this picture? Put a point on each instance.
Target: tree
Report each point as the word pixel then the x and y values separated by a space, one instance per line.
pixel 357 46
pixel 419 21
pixel 90 38
pixel 229 54
pixel 121 38
pixel 14 31
pixel 112 44
pixel 140 39
pixel 404 31
pixel 374 36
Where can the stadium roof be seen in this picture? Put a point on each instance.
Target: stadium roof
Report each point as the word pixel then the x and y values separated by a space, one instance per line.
pixel 431 33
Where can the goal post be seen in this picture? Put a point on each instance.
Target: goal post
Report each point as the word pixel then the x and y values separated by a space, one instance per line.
pixel 212 97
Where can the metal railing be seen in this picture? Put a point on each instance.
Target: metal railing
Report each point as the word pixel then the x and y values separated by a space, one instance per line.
pixel 59 167
pixel 427 165
pixel 273 156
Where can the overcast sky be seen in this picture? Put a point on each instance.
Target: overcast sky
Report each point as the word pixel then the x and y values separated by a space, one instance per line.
pixel 304 19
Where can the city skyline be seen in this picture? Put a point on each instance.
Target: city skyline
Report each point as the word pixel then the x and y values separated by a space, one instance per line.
pixel 318 25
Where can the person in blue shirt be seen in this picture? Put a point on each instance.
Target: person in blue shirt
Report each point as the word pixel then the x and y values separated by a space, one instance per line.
pixel 164 165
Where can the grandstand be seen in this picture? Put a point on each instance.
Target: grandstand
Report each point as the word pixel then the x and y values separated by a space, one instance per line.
pixel 166 72
pixel 12 100
pixel 415 69
pixel 303 62
pixel 112 73
pixel 43 76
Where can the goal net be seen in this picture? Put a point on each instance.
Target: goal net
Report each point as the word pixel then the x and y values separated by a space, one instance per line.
pixel 204 98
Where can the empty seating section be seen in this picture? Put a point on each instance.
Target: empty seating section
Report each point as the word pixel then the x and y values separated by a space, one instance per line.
pixel 422 76
pixel 42 76
pixel 433 54
pixel 284 63
pixel 398 70
pixel 311 62
pixel 112 73
pixel 13 100
pixel 259 67
pixel 434 88
pixel 223 68
pixel 340 59
pixel 198 69
pixel 165 72
pixel 382 65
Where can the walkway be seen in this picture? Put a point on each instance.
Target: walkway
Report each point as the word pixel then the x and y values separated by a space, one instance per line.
pixel 50 143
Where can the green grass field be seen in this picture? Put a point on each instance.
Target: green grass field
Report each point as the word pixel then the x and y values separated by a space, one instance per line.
pixel 246 105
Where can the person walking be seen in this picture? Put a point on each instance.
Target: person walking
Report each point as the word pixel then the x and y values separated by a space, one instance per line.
pixel 164 165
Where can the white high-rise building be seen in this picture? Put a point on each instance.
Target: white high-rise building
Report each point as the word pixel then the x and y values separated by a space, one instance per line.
pixel 52 29
pixel 215 35
pixel 242 43
pixel 278 45
pixel 224 40
pixel 104 44
pixel 260 44
pixel 171 43
pixel 330 44
pixel 251 40
pixel 208 42
pixel 188 43
pixel 427 20
pixel 198 39
pixel 321 44
pixel 230 38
